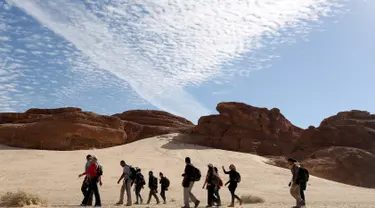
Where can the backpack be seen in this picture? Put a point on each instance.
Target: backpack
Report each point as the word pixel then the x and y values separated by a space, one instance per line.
pixel 196 174
pixel 167 182
pixel 133 173
pixel 238 177
pixel 141 181
pixel 99 170
pixel 155 182
pixel 303 175
pixel 220 182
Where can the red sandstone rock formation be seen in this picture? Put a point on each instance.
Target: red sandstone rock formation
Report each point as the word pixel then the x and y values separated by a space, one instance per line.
pixel 346 129
pixel 140 124
pixel 60 129
pixel 71 128
pixel 241 127
pixel 342 148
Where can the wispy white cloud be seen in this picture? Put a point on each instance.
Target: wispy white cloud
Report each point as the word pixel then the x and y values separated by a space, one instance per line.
pixel 160 46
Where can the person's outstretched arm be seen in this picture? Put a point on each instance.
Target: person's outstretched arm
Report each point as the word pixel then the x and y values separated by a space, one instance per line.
pixel 226 172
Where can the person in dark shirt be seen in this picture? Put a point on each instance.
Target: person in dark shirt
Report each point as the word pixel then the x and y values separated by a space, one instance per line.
pixel 233 182
pixel 153 185
pixel 164 183
pixel 139 183
pixel 188 183
pixel 211 182
pixel 295 189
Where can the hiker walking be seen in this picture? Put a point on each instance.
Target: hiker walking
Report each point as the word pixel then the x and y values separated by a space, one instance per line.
pixel 218 186
pixel 86 181
pixel 234 179
pixel 94 172
pixel 295 189
pixel 303 177
pixel 139 183
pixel 153 185
pixel 164 184
pixel 190 176
pixel 210 183
pixel 126 186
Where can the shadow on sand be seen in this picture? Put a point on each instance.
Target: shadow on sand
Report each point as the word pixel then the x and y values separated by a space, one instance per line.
pixel 5 147
pixel 182 141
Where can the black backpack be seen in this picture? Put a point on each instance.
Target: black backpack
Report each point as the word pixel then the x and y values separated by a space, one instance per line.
pixel 133 173
pixel 303 175
pixel 167 182
pixel 99 170
pixel 196 174
pixel 155 182
pixel 238 177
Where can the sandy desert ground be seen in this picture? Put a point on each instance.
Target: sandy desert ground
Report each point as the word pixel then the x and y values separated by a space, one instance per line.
pixel 54 175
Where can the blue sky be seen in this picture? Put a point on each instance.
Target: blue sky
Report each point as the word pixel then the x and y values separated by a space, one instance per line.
pixel 311 60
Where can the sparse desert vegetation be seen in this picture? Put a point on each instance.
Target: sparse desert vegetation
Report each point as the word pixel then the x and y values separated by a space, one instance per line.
pixel 251 199
pixel 21 199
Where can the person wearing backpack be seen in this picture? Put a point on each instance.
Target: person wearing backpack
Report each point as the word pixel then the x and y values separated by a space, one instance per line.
pixel 153 185
pixel 164 184
pixel 126 186
pixel 86 181
pixel 234 179
pixel 211 182
pixel 295 189
pixel 139 183
pixel 302 180
pixel 94 172
pixel 218 186
pixel 190 176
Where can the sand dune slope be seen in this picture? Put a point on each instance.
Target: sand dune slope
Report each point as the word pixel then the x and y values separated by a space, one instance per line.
pixel 53 175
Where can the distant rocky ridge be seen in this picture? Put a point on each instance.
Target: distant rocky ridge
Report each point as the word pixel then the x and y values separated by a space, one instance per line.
pixel 342 148
pixel 73 129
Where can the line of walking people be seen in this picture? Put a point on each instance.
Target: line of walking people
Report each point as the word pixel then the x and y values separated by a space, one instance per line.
pixel 133 176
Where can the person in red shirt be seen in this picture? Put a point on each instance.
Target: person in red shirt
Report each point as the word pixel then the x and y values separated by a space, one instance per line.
pixel 93 183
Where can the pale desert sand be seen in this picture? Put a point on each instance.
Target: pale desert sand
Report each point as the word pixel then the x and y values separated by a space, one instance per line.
pixel 54 175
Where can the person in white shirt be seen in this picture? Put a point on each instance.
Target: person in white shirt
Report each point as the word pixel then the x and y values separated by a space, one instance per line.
pixel 126 186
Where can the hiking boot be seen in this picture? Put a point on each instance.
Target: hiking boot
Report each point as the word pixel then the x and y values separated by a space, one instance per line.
pixel 196 204
pixel 128 205
pixel 241 201
pixel 231 205
pixel 164 202
pixel 209 206
pixel 119 203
